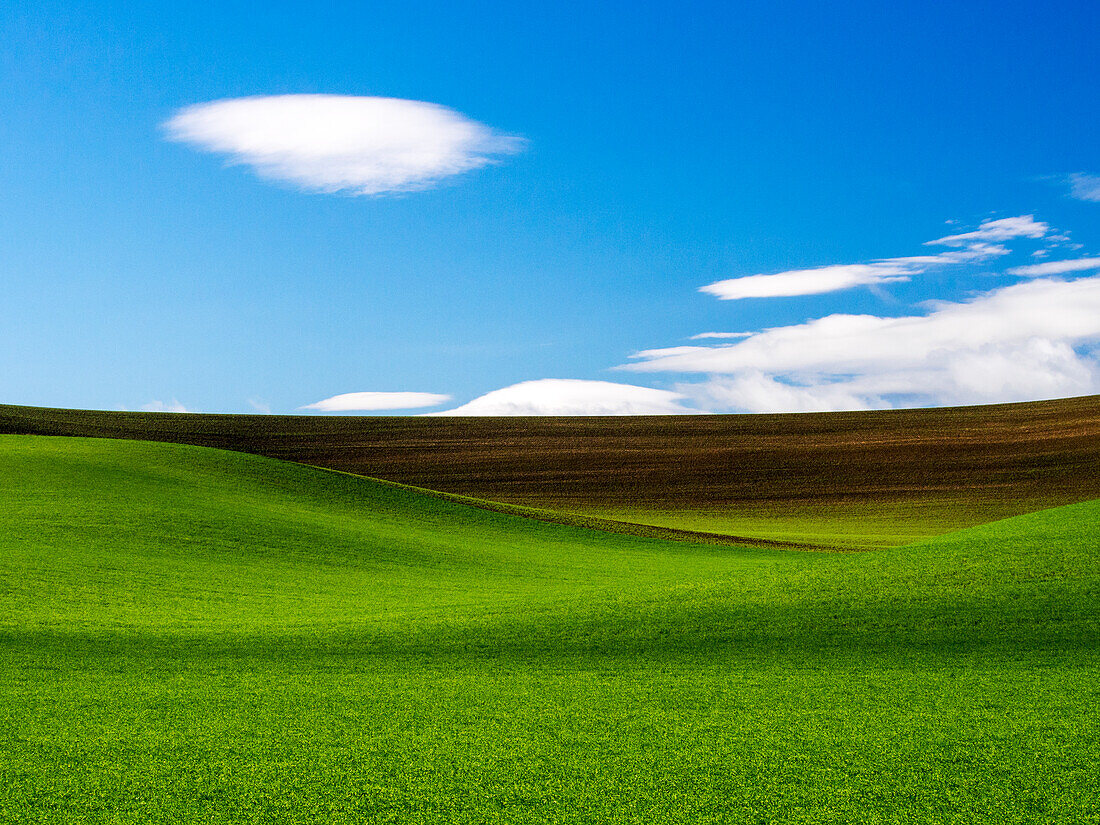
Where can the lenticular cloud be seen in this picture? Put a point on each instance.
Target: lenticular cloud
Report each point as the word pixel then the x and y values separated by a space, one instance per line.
pixel 366 401
pixel 566 396
pixel 338 143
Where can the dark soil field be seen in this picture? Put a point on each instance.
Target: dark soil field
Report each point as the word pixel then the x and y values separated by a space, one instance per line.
pixel 859 479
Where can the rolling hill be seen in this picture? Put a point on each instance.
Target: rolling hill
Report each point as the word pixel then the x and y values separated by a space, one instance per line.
pixel 191 634
pixel 863 479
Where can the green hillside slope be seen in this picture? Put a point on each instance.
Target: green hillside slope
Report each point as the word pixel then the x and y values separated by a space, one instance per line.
pixel 195 635
pixel 862 479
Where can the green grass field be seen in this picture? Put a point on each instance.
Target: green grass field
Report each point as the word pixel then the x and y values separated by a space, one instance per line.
pixel 189 634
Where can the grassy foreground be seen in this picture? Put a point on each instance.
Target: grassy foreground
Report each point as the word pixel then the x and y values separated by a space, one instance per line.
pixel 862 479
pixel 195 635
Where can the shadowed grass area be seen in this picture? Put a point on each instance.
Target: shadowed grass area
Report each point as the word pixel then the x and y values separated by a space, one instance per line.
pixel 859 480
pixel 189 634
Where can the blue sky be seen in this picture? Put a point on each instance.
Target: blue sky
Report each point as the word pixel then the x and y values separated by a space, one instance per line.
pixel 657 150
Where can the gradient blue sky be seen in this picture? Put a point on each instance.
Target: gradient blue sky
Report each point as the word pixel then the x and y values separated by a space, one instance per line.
pixel 668 147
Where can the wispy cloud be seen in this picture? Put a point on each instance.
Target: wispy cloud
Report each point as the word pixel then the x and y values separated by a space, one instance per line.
pixel 807 281
pixel 975 252
pixel 337 143
pixel 976 246
pixel 1037 339
pixel 554 396
pixel 372 401
pixel 1084 187
pixel 1056 267
pixel 1001 229
pixel 173 406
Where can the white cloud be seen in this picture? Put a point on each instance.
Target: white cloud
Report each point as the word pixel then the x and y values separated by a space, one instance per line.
pixel 1056 267
pixel 554 396
pixel 1084 187
pixel 973 253
pixel 1037 339
pixel 172 406
pixel 806 281
pixel 338 143
pixel 838 277
pixel 364 401
pixel 753 391
pixel 1002 229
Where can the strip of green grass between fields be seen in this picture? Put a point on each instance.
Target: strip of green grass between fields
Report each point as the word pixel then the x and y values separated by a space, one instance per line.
pixel 605 525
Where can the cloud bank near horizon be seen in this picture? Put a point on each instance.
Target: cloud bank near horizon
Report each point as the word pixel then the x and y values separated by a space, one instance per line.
pixel 1027 341
pixel 375 401
pixel 566 396
pixel 341 143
